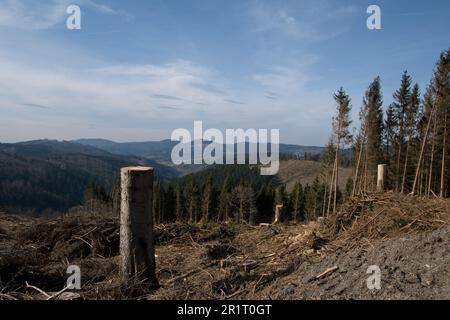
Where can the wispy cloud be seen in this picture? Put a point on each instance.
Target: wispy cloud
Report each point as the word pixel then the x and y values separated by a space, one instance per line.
pixel 271 95
pixel 38 15
pixel 165 97
pixel 34 105
pixel 233 101
pixel 167 107
pixel 208 88
pixel 300 20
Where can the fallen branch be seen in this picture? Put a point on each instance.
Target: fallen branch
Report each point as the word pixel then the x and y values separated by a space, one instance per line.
pixel 329 270
pixel 57 293
pixel 39 290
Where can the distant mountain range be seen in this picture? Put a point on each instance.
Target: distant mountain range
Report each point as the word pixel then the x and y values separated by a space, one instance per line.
pixel 51 174
pixel 161 150
pixel 44 174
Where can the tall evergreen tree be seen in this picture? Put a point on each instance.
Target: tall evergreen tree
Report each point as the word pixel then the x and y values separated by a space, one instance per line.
pixel 225 201
pixel 411 120
pixel 192 199
pixel 401 102
pixel 207 199
pixel 297 202
pixel 342 135
pixel 374 123
pixel 179 200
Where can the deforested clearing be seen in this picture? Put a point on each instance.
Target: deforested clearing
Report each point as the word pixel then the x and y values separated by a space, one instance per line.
pixel 408 237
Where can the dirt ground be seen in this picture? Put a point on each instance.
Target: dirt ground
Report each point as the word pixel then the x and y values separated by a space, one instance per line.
pixel 408 238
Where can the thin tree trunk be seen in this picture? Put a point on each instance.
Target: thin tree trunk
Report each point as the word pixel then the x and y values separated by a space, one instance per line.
pixel 416 176
pixel 324 205
pixel 366 160
pixel 355 180
pixel 336 177
pixel 397 167
pixel 444 150
pixel 331 188
pixel 433 147
pixel 405 167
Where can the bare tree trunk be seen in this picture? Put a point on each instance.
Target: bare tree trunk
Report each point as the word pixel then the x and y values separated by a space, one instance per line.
pixel 399 155
pixel 331 188
pixel 444 150
pixel 405 167
pixel 424 142
pixel 324 205
pixel 355 180
pixel 420 182
pixel 433 147
pixel 366 160
pixel 337 176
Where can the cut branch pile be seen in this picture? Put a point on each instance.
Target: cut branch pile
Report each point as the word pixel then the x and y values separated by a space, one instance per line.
pixel 374 217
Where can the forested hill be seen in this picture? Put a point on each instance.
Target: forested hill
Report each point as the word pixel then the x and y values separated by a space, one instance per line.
pixel 235 174
pixel 161 150
pixel 47 174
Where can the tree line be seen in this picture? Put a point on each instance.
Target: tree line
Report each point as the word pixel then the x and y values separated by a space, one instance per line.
pixel 411 136
pixel 232 193
pixel 242 202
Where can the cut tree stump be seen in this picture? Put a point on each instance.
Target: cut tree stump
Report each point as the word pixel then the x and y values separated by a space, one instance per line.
pixel 381 179
pixel 137 252
pixel 278 208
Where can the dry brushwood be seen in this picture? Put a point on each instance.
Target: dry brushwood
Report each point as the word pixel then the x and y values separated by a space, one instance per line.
pixel 374 217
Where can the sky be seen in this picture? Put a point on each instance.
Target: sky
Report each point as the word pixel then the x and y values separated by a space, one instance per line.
pixel 139 69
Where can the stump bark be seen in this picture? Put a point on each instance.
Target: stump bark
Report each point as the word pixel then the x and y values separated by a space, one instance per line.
pixel 381 179
pixel 137 252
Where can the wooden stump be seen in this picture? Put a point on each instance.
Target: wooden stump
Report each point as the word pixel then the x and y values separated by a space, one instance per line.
pixel 278 208
pixel 381 179
pixel 137 252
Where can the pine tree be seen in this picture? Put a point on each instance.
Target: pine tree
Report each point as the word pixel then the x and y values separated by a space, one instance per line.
pixel 441 86
pixel 244 203
pixel 410 129
pixel 342 135
pixel 169 205
pixel 436 109
pixel 158 200
pixel 265 201
pixel 192 201
pixel 179 200
pixel 207 199
pixel 225 201
pixel 297 202
pixel 401 102
pixel 374 126
pixel 389 138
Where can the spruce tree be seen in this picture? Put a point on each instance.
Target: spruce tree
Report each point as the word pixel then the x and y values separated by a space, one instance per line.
pixel 342 135
pixel 401 102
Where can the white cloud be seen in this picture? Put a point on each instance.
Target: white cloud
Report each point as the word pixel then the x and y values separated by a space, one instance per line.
pixel 38 15
pixel 301 20
pixel 126 102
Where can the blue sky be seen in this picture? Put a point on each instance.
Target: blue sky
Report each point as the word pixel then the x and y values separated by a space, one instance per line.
pixel 139 69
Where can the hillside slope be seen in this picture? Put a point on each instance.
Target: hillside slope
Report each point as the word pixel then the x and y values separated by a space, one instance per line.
pixel 293 171
pixel 43 174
